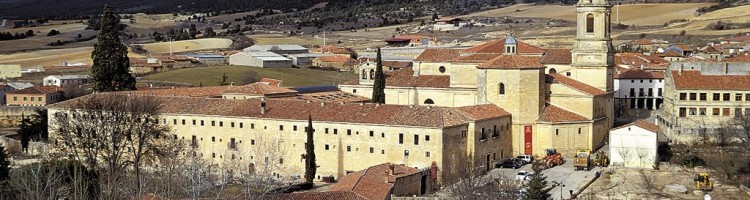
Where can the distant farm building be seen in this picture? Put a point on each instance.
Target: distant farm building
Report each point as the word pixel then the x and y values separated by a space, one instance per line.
pixel 305 59
pixel 278 49
pixel 209 59
pixel 67 80
pixel 339 62
pixel 260 59
pixel 10 71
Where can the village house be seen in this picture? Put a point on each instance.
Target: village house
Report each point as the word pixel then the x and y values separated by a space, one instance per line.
pixel 411 40
pixel 639 89
pixel 209 59
pixel 364 63
pixel 67 80
pixel 336 50
pixel 10 71
pixel 305 59
pixel 339 62
pixel 35 96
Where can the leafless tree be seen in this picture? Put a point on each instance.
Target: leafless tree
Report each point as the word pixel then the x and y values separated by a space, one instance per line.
pixel 471 184
pixel 625 153
pixel 113 131
pixel 260 175
pixel 197 175
pixel 643 155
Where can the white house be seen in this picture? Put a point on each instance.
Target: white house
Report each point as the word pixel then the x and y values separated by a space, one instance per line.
pixel 634 145
pixel 260 59
pixel 67 80
pixel 639 88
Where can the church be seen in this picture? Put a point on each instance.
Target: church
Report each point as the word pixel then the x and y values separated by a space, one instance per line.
pixel 557 98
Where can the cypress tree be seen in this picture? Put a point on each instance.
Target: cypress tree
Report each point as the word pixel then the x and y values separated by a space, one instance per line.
pixel 310 165
pixel 111 63
pixel 378 88
pixel 4 165
pixel 537 188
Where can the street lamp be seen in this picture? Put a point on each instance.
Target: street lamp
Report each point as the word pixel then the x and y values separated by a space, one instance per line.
pixel 561 185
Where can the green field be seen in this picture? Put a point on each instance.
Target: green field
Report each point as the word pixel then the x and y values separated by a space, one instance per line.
pixel 211 75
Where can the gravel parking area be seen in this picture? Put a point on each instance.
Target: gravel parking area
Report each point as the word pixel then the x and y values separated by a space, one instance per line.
pixel 565 174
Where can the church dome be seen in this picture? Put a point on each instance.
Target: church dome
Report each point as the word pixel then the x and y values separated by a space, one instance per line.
pixel 510 40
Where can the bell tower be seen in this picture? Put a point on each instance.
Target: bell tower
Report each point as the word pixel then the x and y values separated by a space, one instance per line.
pixel 593 54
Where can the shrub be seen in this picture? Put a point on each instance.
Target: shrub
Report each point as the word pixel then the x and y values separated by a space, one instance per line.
pixel 692 161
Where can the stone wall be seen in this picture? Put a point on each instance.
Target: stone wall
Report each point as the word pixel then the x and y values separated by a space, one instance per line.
pixel 10 116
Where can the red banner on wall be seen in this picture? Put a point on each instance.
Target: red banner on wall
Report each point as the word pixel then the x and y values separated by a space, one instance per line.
pixel 527 139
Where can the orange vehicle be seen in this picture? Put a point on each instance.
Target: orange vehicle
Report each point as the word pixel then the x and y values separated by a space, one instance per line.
pixel 553 158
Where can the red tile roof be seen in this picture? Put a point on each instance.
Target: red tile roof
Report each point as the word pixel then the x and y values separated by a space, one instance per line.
pixel 438 55
pixel 476 58
pixel 739 58
pixel 574 84
pixel 711 49
pixel 333 49
pixel 397 64
pixel 684 47
pixel 694 80
pixel 742 38
pixel 486 111
pixel 371 182
pixel 334 96
pixel 47 89
pixel 259 89
pixel 557 56
pixel 498 47
pixel 638 59
pixel 639 74
pixel 271 82
pixel 327 195
pixel 643 124
pixel 364 113
pixel 405 78
pixel 512 62
pixel 336 58
pixel 670 54
pixel 556 114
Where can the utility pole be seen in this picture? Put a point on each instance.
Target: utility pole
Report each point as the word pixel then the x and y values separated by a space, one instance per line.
pixel 170 45
pixel 324 42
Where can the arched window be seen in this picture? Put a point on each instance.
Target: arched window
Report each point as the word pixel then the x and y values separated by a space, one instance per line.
pixel 501 89
pixel 552 71
pixel 590 23
pixel 372 74
pixel 428 102
pixel 507 49
pixel 364 74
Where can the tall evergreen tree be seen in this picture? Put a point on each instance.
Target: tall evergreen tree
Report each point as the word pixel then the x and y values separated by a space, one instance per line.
pixel 378 88
pixel 4 165
pixel 537 188
pixel 310 165
pixel 111 63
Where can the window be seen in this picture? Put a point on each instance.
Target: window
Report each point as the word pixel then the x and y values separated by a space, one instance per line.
pixel 717 97
pixel 326 130
pixel 702 111
pixel 737 112
pixel 427 154
pixel 738 97
pixel 703 95
pixel 364 75
pixel 441 69
pixel 693 111
pixel 382 151
pixel 579 131
pixel 406 153
pixel 213 123
pixel 335 131
pixel 348 131
pixel 683 112
pixel 650 80
pixel 426 138
pixel 194 141
pixel 372 133
pixel 252 126
pixel 552 71
pixel 201 122
pixel 231 124
pixel 326 147
pixel 252 142
pixel 482 136
pixel 726 96
pixel 747 97
pixel 494 131
pixel 650 92
pixel 683 96
pixel 725 112
pixel 416 139
pixel 372 74
pixel 641 81
pixel 372 150
pixel 567 73
pixel 640 92
pixel 15 98
pixel 24 99
pixel 32 98
pixel 281 127
pixel 221 124
pixel 632 92
pixel 213 139
pixel 281 160
pixel 501 89
pixel 382 135
pixel 716 111
pixel 428 102
pixel 232 143
pixel 590 23
pixel 692 97
pixel 348 148
pixel 294 128
pixel 213 155
pixel 174 121
pixel 632 81
pixel 183 122
pixel 557 131
pixel 400 138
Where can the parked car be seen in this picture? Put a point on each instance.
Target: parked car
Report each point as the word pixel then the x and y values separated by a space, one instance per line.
pixel 524 175
pixel 525 158
pixel 519 161
pixel 507 164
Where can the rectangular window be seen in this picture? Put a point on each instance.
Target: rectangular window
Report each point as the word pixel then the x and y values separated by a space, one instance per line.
pixel 716 111
pixel 242 125
pixel 482 136
pixel 372 150
pixel 659 92
pixel 24 99
pixel 231 124
pixel 640 92
pixel 326 130
pixel 427 138
pixel 726 96
pixel 737 97
pixel 738 112
pixel 201 122
pixel 194 123
pixel 692 97
pixel 650 92
pixel 382 151
pixel 335 131
pixel 39 98
pixel 747 97
pixel 213 123
pixel 400 138
pixel 183 122
pixel 252 126
pixel 221 124
pixel 194 141
pixel 683 112
pixel 416 139
pixel 372 133
pixel 349 148
pixel 348 131
pixel 174 121
pixel 702 111
pixel 703 96
pixel 326 147
pixel 281 127
pixel 252 142
pixel 213 139
pixel 683 96
pixel 32 98
pixel 294 128
pixel 632 92
pixel 232 143
pixel 693 111
pixel 717 97
pixel 382 135
pixel 15 98
pixel 427 154
pixel 725 112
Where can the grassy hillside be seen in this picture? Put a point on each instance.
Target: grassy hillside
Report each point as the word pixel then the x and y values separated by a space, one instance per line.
pixel 291 76
pixel 188 45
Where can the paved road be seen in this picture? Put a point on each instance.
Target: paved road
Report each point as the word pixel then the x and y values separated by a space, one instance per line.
pixel 571 179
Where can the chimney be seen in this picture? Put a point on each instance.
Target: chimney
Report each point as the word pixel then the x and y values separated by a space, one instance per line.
pixel 416 70
pixel 263 106
pixel 726 68
pixel 681 67
pixel 391 169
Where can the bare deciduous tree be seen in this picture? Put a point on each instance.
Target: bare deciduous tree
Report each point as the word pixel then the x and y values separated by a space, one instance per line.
pixel 471 185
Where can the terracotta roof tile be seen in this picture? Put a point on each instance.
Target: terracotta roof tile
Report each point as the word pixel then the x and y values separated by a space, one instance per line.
pixel 576 85
pixel 47 89
pixel 512 62
pixel 336 58
pixel 438 55
pixel 557 56
pixel 327 195
pixel 670 54
pixel 694 80
pixel 259 89
pixel 553 113
pixel 271 82
pixel 684 47
pixel 711 49
pixel 739 58
pixel 364 113
pixel 405 78
pixel 643 124
pixel 742 38
pixel 486 111
pixel 331 97
pixel 370 183
pixel 498 47
pixel 333 49
pixel 396 64
pixel 639 74
pixel 476 58
pixel 217 91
